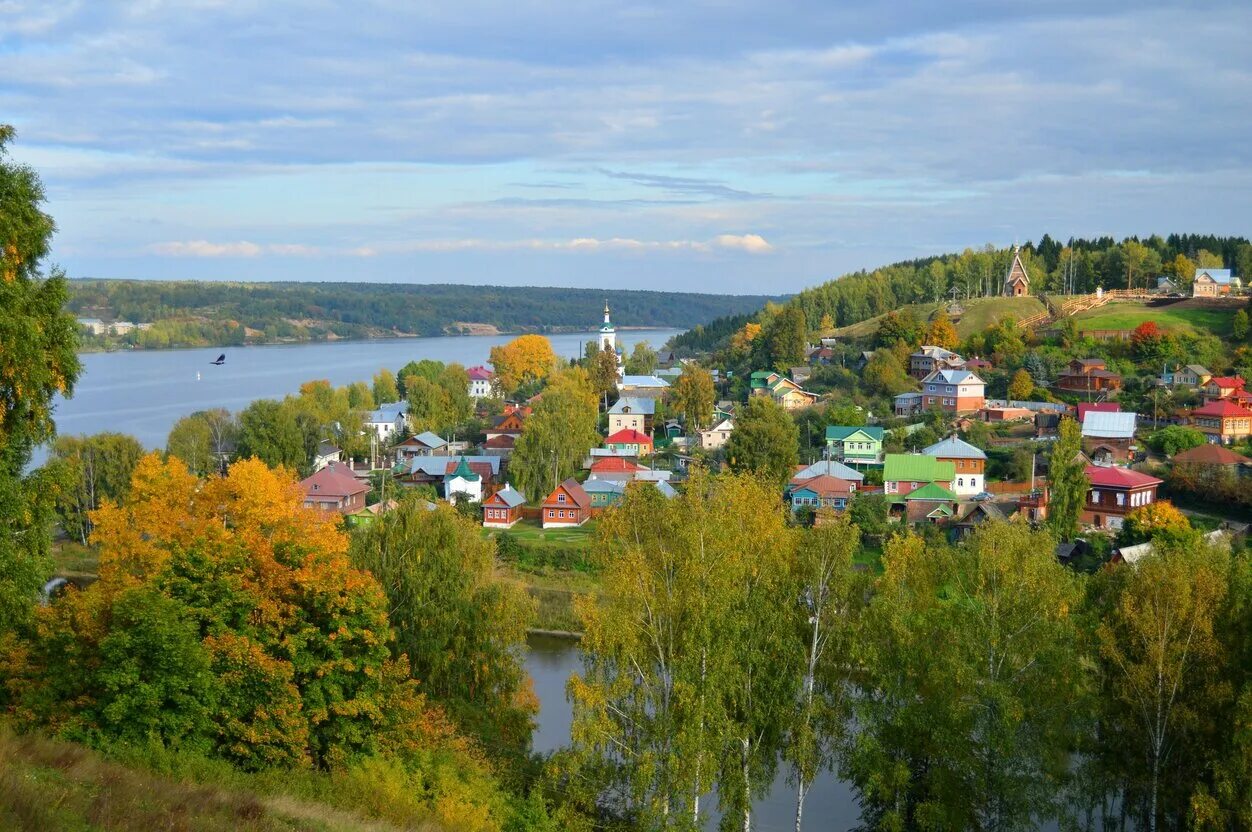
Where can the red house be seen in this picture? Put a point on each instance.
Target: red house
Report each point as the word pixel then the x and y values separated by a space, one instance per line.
pixel 502 509
pixel 510 424
pixel 334 488
pixel 568 505
pixel 615 465
pixel 1115 492
pixel 630 441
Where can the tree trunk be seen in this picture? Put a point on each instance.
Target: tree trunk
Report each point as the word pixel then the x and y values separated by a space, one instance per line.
pixel 747 787
pixel 802 780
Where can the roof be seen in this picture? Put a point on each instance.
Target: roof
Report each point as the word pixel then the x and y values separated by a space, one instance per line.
pixel 576 492
pixel 1220 276
pixel 479 373
pixel 438 466
pixel 643 381
pixel 1222 408
pixel 666 489
pixel 387 412
pixel 429 439
pixel 838 433
pixel 599 486
pixel 822 484
pixel 1101 407
pixel 917 468
pixel 725 424
pixel 325 448
pixel 503 441
pixel 335 480
pixel 932 491
pixel 653 475
pixel 1227 381
pixel 1198 369
pixel 1106 476
pixel 829 466
pixel 954 448
pixel 1089 362
pixel 508 495
pixel 1212 454
pixel 634 404
pixel 954 377
pixel 935 352
pixel 1103 425
pixel 615 463
pixel 628 436
pixel 463 471
pixel 762 374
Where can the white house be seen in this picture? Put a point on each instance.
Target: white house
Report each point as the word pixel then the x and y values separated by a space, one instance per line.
pixel 386 421
pixel 632 413
pixel 479 382
pixel 717 436
pixel 326 454
pixel 463 484
pixel 969 462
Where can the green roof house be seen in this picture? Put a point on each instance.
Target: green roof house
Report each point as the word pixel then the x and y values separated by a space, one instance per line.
pixel 855 445
pixel 905 473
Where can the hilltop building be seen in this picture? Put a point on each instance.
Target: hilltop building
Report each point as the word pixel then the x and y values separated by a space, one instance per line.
pixel 1016 281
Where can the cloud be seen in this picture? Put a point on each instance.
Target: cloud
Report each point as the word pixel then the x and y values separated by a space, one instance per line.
pixel 242 248
pixel 751 243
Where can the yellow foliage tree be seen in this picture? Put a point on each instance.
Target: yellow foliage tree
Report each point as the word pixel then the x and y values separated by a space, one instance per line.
pixel 525 359
pixel 941 332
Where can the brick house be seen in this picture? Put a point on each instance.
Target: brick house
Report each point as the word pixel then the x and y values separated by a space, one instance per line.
pixel 953 391
pixel 1114 493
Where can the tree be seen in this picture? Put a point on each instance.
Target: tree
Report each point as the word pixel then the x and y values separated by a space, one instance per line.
pixel 385 389
pixel 1239 325
pixel 1205 259
pixel 204 441
pixel 1175 439
pixel 555 437
pixel 885 375
pixel 269 432
pixel 525 359
pixel 360 396
pixel 430 406
pixel 602 373
pixel 91 469
pixel 765 441
pixel 827 323
pixel 1139 261
pixel 1151 521
pixel 1160 653
pixel 846 414
pixel 898 327
pixel 463 630
pixel 692 396
pixel 642 360
pixel 741 343
pixel 941 332
pixel 1067 481
pixel 38 361
pixel 785 338
pixel 1021 386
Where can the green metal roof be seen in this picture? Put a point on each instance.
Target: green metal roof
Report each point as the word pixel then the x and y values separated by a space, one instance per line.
pixel 838 433
pixel 917 468
pixel 464 472
pixel 932 491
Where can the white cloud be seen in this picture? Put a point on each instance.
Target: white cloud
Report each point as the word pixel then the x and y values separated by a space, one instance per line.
pixel 242 248
pixel 751 243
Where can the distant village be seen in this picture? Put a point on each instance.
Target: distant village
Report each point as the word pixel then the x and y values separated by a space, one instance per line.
pixel 944 483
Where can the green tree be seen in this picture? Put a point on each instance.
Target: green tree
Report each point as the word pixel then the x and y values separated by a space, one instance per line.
pixel 204 440
pixel 692 396
pixel 385 389
pixel 642 360
pixel 269 431
pixel 1175 439
pixel 1239 325
pixel 38 342
pixel 557 436
pixel 765 441
pixel 1158 519
pixel 90 470
pixel 898 327
pixel 464 630
pixel 1021 386
pixel 602 372
pixel 360 396
pixel 1067 481
pixel 884 374
pixel 785 338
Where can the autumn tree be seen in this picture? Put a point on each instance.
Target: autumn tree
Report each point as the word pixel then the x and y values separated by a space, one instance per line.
pixel 642 360
pixel 692 396
pixel 1151 521
pixel 37 362
pixel 384 387
pixel 743 341
pixel 463 630
pixel 557 436
pixel 765 441
pixel 1021 386
pixel 1067 481
pixel 941 332
pixel 525 359
pixel 885 374
pixel 899 327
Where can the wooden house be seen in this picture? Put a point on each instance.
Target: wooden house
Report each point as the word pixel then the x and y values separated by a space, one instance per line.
pixel 503 509
pixel 567 505
pixel 1114 493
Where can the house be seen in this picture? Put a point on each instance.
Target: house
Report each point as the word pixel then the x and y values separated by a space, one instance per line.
pixel 630 441
pixel 386 421
pixel 93 325
pixel 432 470
pixel 1212 455
pixel 865 357
pixel 1192 375
pixel 325 454
pixel 650 387
pixel 425 443
pixel 711 439
pixel 1016 280
pixel 821 355
pixel 969 461
pixel 1213 283
pixel 567 505
pixel 1114 493
pixel 927 359
pixel 632 413
pixel 800 374
pixel 1087 375
pixel 1223 421
pixel 500 445
pixel 503 509
pixel 855 445
pixel 932 503
pixel 821 491
pixel 1165 285
pixel 1047 425
pixel 1108 436
pixel 480 382
pixel 334 488
pixel 615 467
pixel 510 423
pixel 979 364
pixel 908 404
pixel 369 514
pixel 463 484
pixel 605 493
pixel 903 473
pixel 953 391
pixel 1221 387
pixel 1004 413
pixel 1083 408
pixel 785 392
pixel 830 468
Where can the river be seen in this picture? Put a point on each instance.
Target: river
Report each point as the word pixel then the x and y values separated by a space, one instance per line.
pixel 144 392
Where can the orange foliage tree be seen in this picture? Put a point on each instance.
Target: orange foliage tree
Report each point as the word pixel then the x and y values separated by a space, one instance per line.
pixel 525 359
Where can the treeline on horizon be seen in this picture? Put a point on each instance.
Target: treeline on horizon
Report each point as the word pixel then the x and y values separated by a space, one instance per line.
pixel 1077 266
pixel 194 313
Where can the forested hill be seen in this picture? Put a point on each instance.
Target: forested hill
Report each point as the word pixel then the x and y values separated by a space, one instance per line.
pixel 1074 267
pixel 195 313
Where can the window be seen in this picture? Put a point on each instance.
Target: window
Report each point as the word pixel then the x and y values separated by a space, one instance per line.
pixel 930 388
pixel 1121 498
pixel 560 498
pixel 551 512
pixel 960 482
pixel 1095 496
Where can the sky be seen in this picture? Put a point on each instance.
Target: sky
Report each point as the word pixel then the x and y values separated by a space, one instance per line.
pixel 721 146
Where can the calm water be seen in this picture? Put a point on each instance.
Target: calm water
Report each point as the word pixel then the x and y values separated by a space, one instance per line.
pixel 144 393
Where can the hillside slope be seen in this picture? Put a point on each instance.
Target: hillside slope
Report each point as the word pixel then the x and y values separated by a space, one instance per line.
pixel 979 314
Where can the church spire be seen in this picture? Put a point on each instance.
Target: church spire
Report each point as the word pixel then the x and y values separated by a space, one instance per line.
pixel 606 311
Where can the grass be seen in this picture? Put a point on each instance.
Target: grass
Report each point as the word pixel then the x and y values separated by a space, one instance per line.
pixel 979 314
pixel 554 591
pixel 50 784
pixel 1176 318
pixel 529 531
pixel 73 559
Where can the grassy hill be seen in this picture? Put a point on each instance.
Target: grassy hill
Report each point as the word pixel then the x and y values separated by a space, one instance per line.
pixel 979 314
pixel 1188 316
pixel 49 784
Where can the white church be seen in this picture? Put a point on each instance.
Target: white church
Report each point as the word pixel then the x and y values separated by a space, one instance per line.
pixel 608 341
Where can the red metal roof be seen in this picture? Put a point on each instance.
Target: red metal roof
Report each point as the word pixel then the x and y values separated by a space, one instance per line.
pixel 479 373
pixel 610 464
pixel 1227 381
pixel 1210 454
pixel 1222 408
pixel 1099 407
pixel 1104 476
pixel 335 480
pixel 628 436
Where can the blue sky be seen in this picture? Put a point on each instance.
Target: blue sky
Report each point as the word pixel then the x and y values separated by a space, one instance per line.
pixel 712 146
